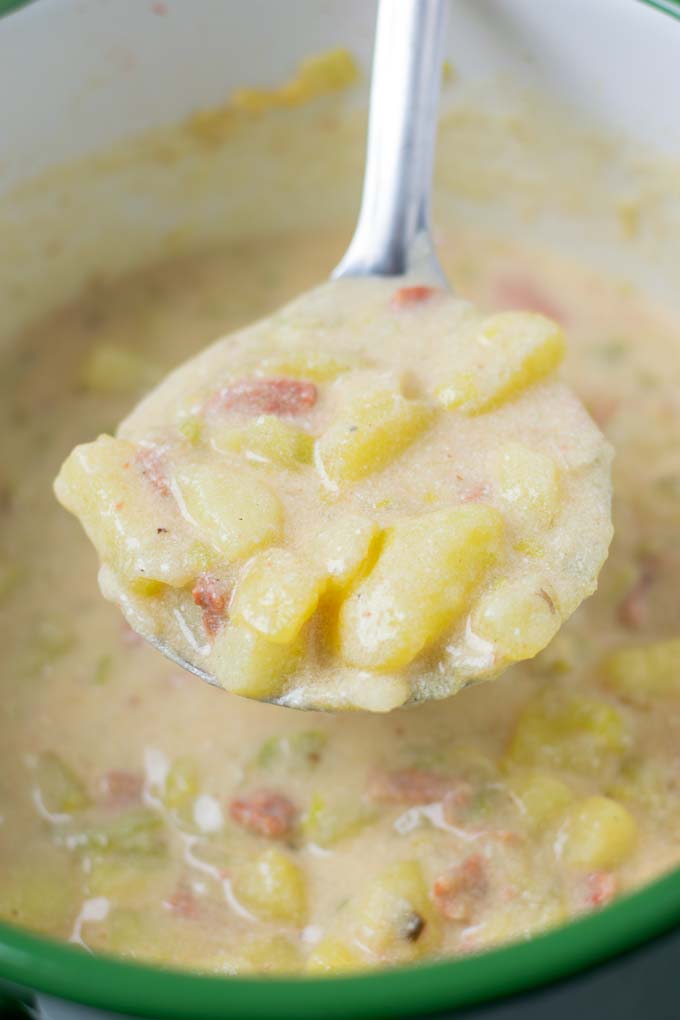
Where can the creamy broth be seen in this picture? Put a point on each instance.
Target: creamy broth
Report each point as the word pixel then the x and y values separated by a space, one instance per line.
pixel 133 812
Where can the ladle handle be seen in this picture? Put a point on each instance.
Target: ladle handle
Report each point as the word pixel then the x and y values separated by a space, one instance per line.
pixel 393 236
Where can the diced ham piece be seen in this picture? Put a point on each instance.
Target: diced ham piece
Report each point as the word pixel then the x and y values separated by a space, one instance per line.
pixel 266 396
pixel 601 888
pixel 474 493
pixel 408 786
pixel 150 462
pixel 212 595
pixel 182 903
pixel 408 297
pixel 455 803
pixel 518 293
pixel 458 892
pixel 264 812
pixel 121 788
pixel 633 610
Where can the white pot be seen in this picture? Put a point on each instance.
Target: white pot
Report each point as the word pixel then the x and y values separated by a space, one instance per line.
pixel 79 76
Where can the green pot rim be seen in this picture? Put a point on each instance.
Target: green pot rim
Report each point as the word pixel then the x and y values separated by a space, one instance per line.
pixel 66 972
pixel 111 984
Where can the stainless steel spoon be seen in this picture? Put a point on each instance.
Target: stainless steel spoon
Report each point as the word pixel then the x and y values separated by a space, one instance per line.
pixel 393 236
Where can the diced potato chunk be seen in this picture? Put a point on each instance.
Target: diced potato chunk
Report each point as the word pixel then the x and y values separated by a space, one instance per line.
pixel 599 833
pixel 267 438
pixel 519 617
pixel 315 365
pixel 396 919
pixel 342 548
pixel 509 351
pixel 234 512
pixel 249 664
pixel 35 895
pixel 275 955
pixel 370 432
pixel 529 485
pixel 272 887
pixel 130 525
pixel 421 582
pixel 332 956
pixel 277 594
pixel 542 797
pixel 578 733
pixel 644 672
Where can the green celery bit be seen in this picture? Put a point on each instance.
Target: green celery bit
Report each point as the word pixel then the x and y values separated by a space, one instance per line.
pixel 135 832
pixel 61 791
pixel 103 669
pixel 192 429
pixel 326 824
pixel 181 783
pixel 50 640
pixel 299 749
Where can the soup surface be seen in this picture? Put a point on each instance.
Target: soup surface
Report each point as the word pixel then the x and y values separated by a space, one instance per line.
pixel 374 496
pixel 146 814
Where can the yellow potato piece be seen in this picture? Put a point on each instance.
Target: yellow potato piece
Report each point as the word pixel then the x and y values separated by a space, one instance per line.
pixel 520 617
pixel 267 438
pixel 421 582
pixel 599 833
pixel 541 796
pixel 644 672
pixel 507 353
pixel 275 955
pixel 342 548
pixel 333 956
pixel 315 365
pixel 232 511
pixel 395 917
pixel 272 886
pixel 529 485
pixel 579 733
pixel 277 594
pixel 370 432
pixel 122 514
pixel 247 663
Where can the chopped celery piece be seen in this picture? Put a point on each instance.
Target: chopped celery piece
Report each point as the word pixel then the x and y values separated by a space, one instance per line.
pixel 135 832
pixel 50 640
pixel 61 791
pixel 192 429
pixel 302 749
pixel 327 823
pixel 103 669
pixel 181 783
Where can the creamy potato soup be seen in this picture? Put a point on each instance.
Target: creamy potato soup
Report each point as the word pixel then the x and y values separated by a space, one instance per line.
pixel 376 495
pixel 146 814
